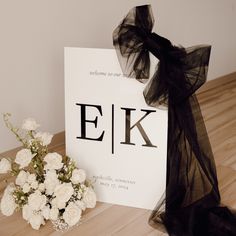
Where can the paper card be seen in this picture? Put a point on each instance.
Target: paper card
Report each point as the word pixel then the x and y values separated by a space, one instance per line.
pixel 113 134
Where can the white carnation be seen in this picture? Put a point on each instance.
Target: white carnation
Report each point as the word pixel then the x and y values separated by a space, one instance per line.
pixel 34 185
pixel 54 161
pixel 10 188
pixel 30 124
pixel 22 178
pixel 78 176
pixel 51 181
pixel 26 212
pixel 81 204
pixel 44 137
pixel 36 220
pixel 63 192
pixel 33 217
pixel 41 187
pixel 5 166
pixel 46 212
pixel 72 214
pixel 57 202
pixel 54 213
pixel 54 202
pixel 24 157
pixel 37 201
pixel 89 198
pixel 8 204
pixel 26 188
pixel 31 178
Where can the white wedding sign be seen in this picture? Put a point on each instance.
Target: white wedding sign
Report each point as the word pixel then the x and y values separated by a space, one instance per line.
pixel 113 134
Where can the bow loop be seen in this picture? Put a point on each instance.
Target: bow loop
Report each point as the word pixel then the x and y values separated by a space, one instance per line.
pixel 157 45
pixel 129 40
pixel 180 71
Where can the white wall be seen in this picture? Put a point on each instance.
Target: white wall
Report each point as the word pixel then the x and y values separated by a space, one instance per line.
pixel 34 33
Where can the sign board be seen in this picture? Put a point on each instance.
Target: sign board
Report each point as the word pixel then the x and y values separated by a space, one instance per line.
pixel 110 130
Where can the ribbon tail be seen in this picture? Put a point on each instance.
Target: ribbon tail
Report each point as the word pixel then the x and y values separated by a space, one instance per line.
pixel 191 204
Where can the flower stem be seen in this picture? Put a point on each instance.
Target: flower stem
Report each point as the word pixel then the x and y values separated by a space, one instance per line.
pixel 13 129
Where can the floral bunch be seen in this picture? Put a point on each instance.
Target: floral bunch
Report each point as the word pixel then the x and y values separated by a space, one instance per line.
pixel 47 186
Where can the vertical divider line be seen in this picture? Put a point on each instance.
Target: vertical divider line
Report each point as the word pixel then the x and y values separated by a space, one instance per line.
pixel 112 129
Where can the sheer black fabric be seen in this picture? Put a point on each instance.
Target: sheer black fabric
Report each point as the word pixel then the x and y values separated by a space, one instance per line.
pixel 191 203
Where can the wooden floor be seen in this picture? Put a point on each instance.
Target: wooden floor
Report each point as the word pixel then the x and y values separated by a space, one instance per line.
pixel 218 103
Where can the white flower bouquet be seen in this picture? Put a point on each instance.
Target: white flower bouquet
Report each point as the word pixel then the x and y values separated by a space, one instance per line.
pixel 48 186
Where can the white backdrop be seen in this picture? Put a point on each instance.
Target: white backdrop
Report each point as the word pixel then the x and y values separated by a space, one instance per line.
pixel 34 34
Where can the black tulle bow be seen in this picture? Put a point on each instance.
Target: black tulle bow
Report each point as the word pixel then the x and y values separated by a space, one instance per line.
pixel 183 70
pixel 191 203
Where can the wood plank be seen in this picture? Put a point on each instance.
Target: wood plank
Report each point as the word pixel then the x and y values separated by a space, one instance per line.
pixel 218 104
pixel 139 226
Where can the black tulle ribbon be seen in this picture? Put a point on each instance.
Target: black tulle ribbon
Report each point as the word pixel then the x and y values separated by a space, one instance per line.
pixel 191 205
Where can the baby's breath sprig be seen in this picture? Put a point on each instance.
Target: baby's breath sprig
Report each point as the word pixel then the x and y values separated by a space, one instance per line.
pixel 13 129
pixel 21 198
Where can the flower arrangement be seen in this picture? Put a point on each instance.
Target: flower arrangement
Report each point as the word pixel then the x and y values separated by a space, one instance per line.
pixel 48 186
